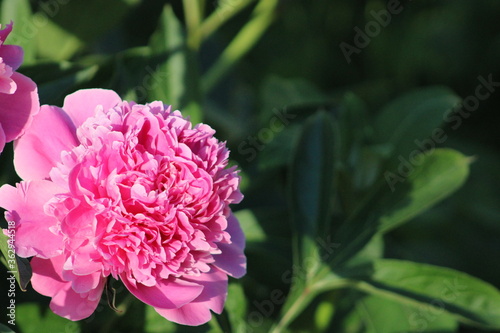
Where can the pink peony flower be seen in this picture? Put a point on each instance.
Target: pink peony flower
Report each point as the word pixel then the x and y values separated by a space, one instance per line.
pixel 18 94
pixel 113 188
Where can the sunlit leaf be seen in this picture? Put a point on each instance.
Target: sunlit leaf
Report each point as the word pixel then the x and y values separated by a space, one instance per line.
pixel 402 197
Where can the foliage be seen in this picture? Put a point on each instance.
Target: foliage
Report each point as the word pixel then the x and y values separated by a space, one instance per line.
pixel 351 168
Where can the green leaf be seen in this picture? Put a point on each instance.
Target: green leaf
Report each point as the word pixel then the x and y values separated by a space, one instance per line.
pixel 250 225
pixel 311 183
pixel 31 319
pixel 19 11
pixel 277 93
pixel 438 289
pixel 177 70
pixel 405 195
pixel 236 307
pixel 277 152
pixel 369 315
pixel 53 42
pixel 440 173
pixel 19 267
pixel 311 195
pixel 413 117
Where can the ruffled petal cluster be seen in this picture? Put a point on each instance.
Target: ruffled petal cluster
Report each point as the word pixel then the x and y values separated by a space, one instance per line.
pixel 18 94
pixel 134 192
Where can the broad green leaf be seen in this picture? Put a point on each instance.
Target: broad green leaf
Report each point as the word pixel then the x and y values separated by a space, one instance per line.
pixel 236 307
pixel 86 20
pixel 53 42
pixel 179 85
pixel 250 225
pixel 277 152
pixel 155 323
pixel 407 121
pixel 438 174
pixel 370 315
pixel 277 93
pixel 19 11
pixel 469 299
pixel 404 195
pixel 311 195
pixel 352 118
pixel 311 183
pixel 31 319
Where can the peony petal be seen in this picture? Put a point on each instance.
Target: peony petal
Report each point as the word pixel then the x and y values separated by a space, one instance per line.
pixel 232 260
pixel 167 293
pixel 82 284
pixel 212 298
pixel 39 149
pixel 65 302
pixel 17 109
pixel 25 205
pixel 12 55
pixel 81 105
pixel 46 280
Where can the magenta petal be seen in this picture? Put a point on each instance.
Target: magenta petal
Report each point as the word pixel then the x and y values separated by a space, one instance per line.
pixel 12 55
pixel 17 109
pixel 39 149
pixel 46 280
pixel 65 301
pixel 167 293
pixel 232 260
pixel 25 205
pixel 212 298
pixel 81 105
pixel 5 32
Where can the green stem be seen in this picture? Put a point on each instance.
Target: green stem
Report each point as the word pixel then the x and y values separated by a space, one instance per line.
pixel 246 38
pixel 306 297
pixel 193 12
pixel 302 301
pixel 221 15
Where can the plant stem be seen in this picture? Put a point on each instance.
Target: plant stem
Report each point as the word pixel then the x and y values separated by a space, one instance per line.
pixel 246 38
pixel 221 15
pixel 305 298
pixel 193 12
pixel 302 301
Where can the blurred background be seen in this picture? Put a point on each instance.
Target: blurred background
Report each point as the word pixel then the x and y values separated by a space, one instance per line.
pixel 311 56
